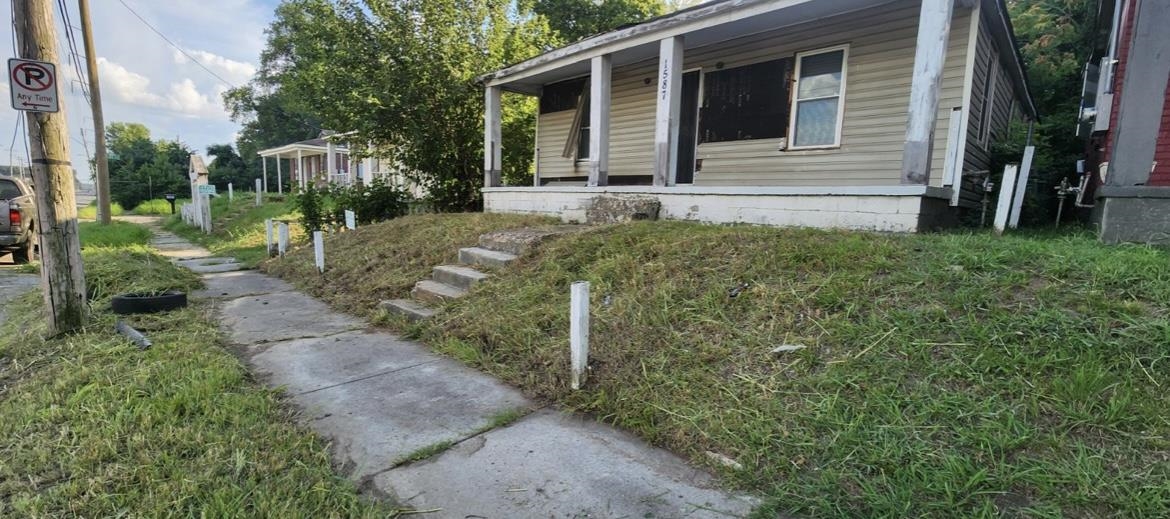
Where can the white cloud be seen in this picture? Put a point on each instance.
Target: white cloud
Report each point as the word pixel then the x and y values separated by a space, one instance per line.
pixel 182 97
pixel 235 72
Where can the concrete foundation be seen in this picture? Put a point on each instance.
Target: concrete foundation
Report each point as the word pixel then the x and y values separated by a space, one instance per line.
pixel 1134 214
pixel 881 208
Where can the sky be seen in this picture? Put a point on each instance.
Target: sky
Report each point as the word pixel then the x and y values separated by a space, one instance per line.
pixel 146 80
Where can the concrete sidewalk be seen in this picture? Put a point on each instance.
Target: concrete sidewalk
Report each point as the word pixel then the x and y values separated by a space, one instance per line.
pixel 434 435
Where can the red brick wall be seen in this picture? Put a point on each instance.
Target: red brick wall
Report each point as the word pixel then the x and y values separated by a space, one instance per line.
pixel 1161 174
pixel 1118 78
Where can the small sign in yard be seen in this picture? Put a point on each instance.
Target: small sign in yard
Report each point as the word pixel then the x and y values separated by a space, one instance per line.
pixel 207 189
pixel 33 85
pixel 350 220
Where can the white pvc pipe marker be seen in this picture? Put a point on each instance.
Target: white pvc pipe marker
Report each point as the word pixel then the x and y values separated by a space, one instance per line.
pixel 268 241
pixel 282 238
pixel 579 332
pixel 319 250
pixel 259 193
pixel 231 194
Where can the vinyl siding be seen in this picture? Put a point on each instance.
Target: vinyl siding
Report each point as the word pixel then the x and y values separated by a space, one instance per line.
pixel 977 155
pixel 880 68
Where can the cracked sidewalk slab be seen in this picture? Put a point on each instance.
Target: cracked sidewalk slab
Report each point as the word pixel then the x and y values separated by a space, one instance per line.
pixel 305 365
pixel 232 285
pixel 551 464
pixel 376 422
pixel 280 317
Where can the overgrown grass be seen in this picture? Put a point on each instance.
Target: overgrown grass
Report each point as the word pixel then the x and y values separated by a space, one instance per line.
pixel 385 260
pixel 157 207
pixel 955 375
pixel 116 234
pixel 238 227
pixel 92 427
pixel 89 212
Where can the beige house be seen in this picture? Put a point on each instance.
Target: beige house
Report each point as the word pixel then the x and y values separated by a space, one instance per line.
pixel 861 114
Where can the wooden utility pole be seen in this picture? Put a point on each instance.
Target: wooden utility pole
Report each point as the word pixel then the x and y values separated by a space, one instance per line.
pixel 62 275
pixel 99 125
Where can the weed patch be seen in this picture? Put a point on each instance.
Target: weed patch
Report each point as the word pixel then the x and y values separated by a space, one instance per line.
pixel 238 227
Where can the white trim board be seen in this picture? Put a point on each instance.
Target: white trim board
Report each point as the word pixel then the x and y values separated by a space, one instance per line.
pixel 900 190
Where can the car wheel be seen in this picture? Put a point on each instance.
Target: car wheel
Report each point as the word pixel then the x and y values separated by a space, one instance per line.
pixel 148 303
pixel 23 254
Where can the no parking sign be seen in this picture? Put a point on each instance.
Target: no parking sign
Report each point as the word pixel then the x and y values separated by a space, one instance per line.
pixel 33 85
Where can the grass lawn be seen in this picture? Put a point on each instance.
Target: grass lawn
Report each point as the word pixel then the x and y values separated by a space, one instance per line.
pixel 238 227
pixel 89 212
pixel 384 261
pixel 953 375
pixel 92 427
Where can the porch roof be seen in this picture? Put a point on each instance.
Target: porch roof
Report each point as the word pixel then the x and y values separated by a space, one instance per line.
pixel 307 148
pixel 713 22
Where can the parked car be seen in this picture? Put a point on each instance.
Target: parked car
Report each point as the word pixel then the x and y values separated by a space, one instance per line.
pixel 17 213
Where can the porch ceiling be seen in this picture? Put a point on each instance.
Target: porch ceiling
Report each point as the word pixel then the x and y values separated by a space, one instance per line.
pixel 701 26
pixel 306 150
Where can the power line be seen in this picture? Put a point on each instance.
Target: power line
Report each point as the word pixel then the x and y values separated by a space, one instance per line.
pixel 173 44
pixel 71 41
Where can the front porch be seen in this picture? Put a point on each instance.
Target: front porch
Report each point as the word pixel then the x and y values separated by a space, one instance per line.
pixel 871 161
pixel 320 161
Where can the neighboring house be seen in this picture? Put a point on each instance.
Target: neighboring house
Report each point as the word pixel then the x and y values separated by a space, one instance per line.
pixel 862 114
pixel 325 160
pixel 1126 116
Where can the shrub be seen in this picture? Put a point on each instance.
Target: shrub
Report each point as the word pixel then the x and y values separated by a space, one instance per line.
pixel 156 206
pixel 89 212
pixel 324 208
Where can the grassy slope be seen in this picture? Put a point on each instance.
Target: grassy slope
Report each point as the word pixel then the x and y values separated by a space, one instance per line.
pixel 92 427
pixel 944 375
pixel 383 261
pixel 238 227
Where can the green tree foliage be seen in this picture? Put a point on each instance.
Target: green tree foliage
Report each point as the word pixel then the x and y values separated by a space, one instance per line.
pixel 403 76
pixel 228 167
pixel 142 169
pixel 267 120
pixel 1056 39
pixel 573 20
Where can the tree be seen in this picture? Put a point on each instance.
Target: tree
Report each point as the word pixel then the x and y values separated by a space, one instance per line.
pixel 142 169
pixel 268 119
pixel 1056 39
pixel 228 167
pixel 573 20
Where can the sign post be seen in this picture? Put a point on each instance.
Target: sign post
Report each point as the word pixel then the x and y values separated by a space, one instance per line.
pixel 33 85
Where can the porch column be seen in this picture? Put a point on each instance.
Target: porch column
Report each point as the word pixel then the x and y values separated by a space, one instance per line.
pixel 934 28
pixel 493 155
pixel 670 60
pixel 599 89
pixel 330 161
pixel 279 182
pixel 301 170
pixel 368 165
pixel 264 169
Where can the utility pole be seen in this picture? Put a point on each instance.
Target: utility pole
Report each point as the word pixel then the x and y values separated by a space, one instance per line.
pixel 99 126
pixel 62 276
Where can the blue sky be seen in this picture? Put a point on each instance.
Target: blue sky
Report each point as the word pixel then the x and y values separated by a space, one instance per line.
pixel 144 79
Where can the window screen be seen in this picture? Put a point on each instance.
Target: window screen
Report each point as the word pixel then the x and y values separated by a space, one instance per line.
pixel 749 102
pixel 562 96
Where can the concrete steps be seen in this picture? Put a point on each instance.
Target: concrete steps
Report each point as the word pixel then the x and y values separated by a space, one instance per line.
pixel 434 292
pixel 412 310
pixel 458 276
pixel 449 282
pixel 482 257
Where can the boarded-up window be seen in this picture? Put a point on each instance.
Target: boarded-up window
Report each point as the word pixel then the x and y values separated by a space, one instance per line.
pixel 749 102
pixel 558 97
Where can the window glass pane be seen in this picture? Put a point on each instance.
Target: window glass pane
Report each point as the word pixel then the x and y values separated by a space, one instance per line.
pixel 8 190
pixel 816 122
pixel 820 74
pixel 583 144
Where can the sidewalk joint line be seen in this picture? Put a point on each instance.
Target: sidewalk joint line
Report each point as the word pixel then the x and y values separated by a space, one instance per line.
pixel 367 377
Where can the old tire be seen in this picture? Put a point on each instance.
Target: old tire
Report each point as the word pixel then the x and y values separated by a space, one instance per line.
pixel 148 304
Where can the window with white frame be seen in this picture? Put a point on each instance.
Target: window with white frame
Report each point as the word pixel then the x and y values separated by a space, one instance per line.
pixel 818 103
